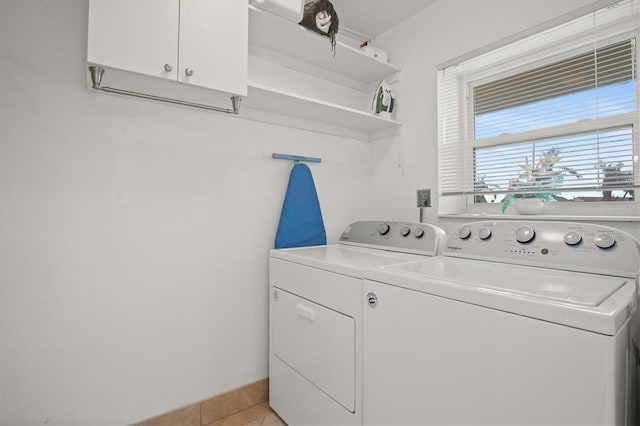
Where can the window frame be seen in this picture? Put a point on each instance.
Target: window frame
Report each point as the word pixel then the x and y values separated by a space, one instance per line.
pixel 546 53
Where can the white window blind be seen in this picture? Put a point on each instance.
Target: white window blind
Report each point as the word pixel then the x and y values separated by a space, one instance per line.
pixel 554 113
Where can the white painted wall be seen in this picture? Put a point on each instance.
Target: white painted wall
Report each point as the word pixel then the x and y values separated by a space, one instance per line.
pixel 441 32
pixel 134 235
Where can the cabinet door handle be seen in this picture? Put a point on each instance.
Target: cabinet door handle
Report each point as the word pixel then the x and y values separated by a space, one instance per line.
pixel 305 312
pixel 168 68
pixel 188 72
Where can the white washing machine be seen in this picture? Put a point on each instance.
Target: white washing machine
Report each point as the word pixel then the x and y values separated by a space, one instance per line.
pixel 516 323
pixel 315 341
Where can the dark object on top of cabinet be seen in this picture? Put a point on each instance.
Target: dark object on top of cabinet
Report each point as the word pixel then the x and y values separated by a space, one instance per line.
pixel 321 17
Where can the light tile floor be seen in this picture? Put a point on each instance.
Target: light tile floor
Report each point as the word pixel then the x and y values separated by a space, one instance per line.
pixel 258 415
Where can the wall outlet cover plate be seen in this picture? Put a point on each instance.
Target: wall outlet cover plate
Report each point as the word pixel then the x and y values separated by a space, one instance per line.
pixel 424 197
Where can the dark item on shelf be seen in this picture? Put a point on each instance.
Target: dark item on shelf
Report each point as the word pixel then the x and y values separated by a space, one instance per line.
pixel 321 17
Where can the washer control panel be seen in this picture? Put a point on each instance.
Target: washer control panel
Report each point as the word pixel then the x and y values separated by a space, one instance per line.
pixel 407 237
pixel 569 246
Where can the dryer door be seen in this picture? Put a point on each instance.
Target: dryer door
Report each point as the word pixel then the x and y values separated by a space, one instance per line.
pixel 317 342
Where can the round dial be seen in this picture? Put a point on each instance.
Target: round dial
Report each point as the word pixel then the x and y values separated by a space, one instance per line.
pixel 572 238
pixel 418 232
pixel 464 232
pixel 484 233
pixel 604 240
pixel 525 234
pixel 405 231
pixel 383 229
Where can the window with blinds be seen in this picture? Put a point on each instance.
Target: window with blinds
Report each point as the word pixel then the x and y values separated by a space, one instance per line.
pixel 553 116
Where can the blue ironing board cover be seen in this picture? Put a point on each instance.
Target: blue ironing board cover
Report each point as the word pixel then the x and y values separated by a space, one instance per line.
pixel 301 219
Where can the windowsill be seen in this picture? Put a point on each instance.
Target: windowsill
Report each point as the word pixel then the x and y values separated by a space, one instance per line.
pixel 479 216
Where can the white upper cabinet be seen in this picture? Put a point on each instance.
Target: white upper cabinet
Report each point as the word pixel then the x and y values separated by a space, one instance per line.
pixel 196 42
pixel 135 35
pixel 213 44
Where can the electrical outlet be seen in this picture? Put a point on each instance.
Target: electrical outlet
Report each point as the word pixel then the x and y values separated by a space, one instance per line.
pixel 424 198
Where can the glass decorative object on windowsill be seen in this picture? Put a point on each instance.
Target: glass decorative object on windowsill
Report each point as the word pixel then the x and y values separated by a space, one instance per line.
pixel 538 178
pixel 529 205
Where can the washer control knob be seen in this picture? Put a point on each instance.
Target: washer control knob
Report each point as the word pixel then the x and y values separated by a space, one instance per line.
pixel 464 232
pixel 604 240
pixel 383 229
pixel 405 231
pixel 484 233
pixel 572 238
pixel 418 232
pixel 525 234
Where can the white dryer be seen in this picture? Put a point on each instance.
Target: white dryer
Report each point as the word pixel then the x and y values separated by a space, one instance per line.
pixel 516 323
pixel 315 340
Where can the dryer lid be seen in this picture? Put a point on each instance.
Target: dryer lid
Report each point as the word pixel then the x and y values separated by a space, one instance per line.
pixel 342 259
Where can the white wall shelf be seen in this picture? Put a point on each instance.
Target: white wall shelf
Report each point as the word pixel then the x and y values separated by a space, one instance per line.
pixel 295 105
pixel 294 47
pixel 274 33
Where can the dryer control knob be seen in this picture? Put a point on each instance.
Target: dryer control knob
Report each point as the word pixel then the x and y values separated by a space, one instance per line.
pixel 604 240
pixel 405 231
pixel 383 228
pixel 572 238
pixel 418 232
pixel 464 232
pixel 525 234
pixel 484 233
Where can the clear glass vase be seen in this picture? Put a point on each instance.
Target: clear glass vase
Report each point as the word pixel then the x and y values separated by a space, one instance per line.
pixel 529 205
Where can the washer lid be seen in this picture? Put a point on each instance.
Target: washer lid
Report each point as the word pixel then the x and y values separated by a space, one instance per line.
pixel 347 260
pixel 568 287
pixel 588 301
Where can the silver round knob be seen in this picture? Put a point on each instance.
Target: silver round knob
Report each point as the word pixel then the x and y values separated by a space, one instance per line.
pixel 383 228
pixel 484 233
pixel 418 232
pixel 168 67
pixel 604 240
pixel 572 238
pixel 405 231
pixel 464 232
pixel 525 234
pixel 188 72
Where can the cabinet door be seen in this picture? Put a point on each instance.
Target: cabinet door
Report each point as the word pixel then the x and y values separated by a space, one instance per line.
pixel 213 44
pixel 135 35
